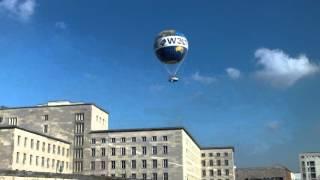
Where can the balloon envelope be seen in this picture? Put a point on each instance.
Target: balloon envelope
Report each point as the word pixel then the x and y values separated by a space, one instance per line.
pixel 171 47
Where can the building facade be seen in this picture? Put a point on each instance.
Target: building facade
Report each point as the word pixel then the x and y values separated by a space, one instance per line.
pixel 217 163
pixel 71 122
pixel 81 131
pixel 310 166
pixel 263 173
pixel 32 151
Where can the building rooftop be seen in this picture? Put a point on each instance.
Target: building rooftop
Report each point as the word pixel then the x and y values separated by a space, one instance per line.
pixel 161 129
pixel 34 132
pixel 54 104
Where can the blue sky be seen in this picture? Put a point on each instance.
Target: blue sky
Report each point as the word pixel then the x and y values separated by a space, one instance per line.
pixel 251 77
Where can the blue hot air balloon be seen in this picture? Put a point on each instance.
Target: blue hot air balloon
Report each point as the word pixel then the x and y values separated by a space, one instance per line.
pixel 171 48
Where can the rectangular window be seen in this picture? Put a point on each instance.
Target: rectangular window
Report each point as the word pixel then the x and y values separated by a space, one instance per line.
pixel 154 138
pixel 37 160
pixel 17 157
pixel 103 140
pixel 25 141
pixel 38 145
pixel 58 149
pixel 154 150
pixel 48 162
pixel 103 165
pixel 165 176
pixel 226 162
pixel 24 158
pixel 49 148
pixel 123 164
pixel 211 162
pixel 144 176
pixel 154 163
pixel 144 164
pixel 93 141
pixel 93 152
pixel 123 151
pixel 54 149
pixel 203 162
pixel 45 117
pixel 18 140
pixel 133 164
pixel 79 116
pixel 165 149
pixel 165 163
pixel 30 160
pixel 203 155
pixel 31 143
pixel 211 172
pixel 52 163
pixel 13 121
pixel 144 150
pixel 154 176
pixel 1 119
pixel 63 151
pixel 133 175
pixel 134 139
pixel 218 154
pixel 144 139
pixel 113 140
pixel 226 154
pixel 123 175
pixel 113 151
pixel 165 138
pixel 103 152
pixel 219 162
pixel 43 146
pixel 203 173
pixel 42 161
pixel 227 172
pixel 123 139
pixel 113 164
pixel 45 128
pixel 219 172
pixel 133 151
pixel 79 140
pixel 93 165
pixel 210 154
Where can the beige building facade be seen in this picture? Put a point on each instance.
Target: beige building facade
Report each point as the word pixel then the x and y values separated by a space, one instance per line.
pixel 30 151
pixel 217 163
pixel 310 165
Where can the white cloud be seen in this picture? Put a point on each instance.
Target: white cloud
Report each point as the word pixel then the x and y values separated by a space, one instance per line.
pixel 22 9
pixel 203 79
pixel 233 73
pixel 61 25
pixel 281 70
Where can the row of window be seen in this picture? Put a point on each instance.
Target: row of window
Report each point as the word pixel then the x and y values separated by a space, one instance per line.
pixel 154 176
pixel 309 163
pixel 217 154
pixel 123 151
pixel 41 161
pixel 123 164
pixel 36 144
pixel 211 162
pixel 211 172
pixel 133 139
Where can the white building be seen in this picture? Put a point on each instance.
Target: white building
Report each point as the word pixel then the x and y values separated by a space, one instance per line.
pixel 310 166
pixel 76 136
pixel 30 151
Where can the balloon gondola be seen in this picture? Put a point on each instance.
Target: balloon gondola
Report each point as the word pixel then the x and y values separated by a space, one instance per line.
pixel 171 48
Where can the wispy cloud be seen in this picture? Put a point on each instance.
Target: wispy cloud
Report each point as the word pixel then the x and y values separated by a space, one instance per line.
pixel 21 9
pixel 281 70
pixel 61 25
pixel 233 73
pixel 203 79
pixel 273 125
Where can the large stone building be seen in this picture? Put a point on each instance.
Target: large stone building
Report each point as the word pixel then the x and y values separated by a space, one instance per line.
pixel 81 131
pixel 263 173
pixel 310 166
pixel 217 163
